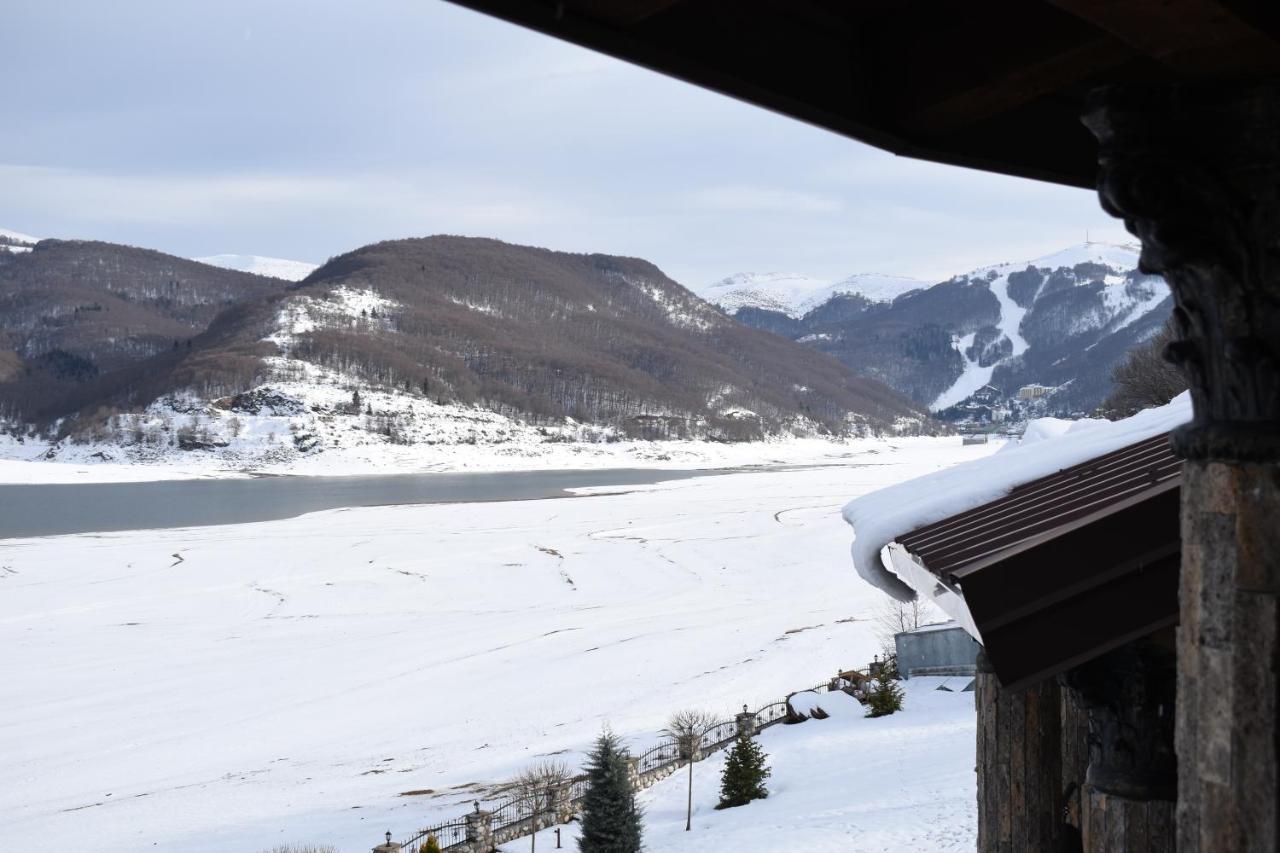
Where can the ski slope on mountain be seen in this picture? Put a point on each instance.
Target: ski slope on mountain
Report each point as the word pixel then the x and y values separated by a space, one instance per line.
pixel 258 265
pixel 290 681
pixel 1119 308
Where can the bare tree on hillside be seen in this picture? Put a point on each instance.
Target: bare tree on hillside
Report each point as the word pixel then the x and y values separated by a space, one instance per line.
pixel 893 617
pixel 538 783
pixel 1145 378
pixel 686 728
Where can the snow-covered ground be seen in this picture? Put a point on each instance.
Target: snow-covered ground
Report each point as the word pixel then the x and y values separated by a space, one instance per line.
pixel 897 784
pixel 259 265
pixel 231 688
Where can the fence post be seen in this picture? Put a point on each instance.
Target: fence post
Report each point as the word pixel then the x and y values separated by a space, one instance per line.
pixel 562 803
pixel 633 773
pixel 746 722
pixel 480 830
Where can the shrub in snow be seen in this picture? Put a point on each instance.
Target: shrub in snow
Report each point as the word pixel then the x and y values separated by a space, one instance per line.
pixel 885 697
pixel 744 773
pixel 610 818
pixel 431 846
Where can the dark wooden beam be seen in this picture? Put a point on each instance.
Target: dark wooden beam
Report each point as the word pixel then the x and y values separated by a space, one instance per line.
pixel 1193 37
pixel 621 12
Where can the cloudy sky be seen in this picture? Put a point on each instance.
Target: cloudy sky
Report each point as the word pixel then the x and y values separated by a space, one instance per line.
pixel 304 128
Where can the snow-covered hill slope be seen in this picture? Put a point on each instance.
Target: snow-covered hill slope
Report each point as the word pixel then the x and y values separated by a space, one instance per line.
pixel 258 265
pixel 14 241
pixel 897 784
pixel 795 295
pixel 255 688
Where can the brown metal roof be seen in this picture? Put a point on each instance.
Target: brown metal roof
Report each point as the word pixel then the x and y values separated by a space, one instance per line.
pixel 1042 506
pixel 1068 566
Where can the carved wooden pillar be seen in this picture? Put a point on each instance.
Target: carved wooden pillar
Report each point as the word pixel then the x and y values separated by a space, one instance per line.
pixel 1194 170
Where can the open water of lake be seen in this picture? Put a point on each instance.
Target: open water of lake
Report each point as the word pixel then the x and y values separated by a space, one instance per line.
pixel 49 510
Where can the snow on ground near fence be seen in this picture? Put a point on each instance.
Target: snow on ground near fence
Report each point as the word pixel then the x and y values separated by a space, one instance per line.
pixel 879 518
pixel 897 784
pixel 231 688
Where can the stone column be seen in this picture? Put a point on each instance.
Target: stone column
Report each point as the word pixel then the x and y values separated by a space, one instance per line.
pixel 1127 797
pixel 479 831
pixel 746 722
pixel 562 803
pixel 1019 766
pixel 633 773
pixel 1194 170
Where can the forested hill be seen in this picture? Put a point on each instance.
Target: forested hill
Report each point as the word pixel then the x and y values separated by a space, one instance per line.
pixel 96 332
pixel 596 338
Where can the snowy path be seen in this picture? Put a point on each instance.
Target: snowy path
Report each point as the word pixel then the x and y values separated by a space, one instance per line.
pixel 230 688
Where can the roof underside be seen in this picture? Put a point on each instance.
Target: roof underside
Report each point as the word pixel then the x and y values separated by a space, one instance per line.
pixel 997 85
pixel 1068 566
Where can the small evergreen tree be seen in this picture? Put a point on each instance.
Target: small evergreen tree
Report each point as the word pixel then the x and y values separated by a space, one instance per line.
pixel 885 697
pixel 610 818
pixel 432 845
pixel 744 773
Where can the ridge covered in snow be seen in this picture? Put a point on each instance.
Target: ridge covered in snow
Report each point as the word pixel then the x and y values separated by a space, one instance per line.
pixel 795 295
pixel 259 265
pixel 15 241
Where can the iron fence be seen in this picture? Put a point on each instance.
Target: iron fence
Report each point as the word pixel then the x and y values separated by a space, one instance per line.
pixel 447 834
pixel 774 712
pixel 658 756
pixel 718 735
pixel 513 811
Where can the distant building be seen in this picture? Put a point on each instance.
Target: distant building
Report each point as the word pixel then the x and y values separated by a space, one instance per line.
pixel 1033 391
pixel 941 649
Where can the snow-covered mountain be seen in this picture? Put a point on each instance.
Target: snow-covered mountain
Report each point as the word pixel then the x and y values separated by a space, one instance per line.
pixel 259 265
pixel 795 295
pixel 14 241
pixel 1062 320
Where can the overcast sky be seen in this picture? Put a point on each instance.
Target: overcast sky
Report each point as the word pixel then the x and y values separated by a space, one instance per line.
pixel 304 128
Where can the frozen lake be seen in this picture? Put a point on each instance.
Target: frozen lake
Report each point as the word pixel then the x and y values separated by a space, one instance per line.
pixel 57 509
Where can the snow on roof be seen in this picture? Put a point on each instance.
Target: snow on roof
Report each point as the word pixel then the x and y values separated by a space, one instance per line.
pixel 881 517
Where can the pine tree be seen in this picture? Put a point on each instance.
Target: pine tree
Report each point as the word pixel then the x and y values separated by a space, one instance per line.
pixel 885 697
pixel 610 818
pixel 744 773
pixel 432 845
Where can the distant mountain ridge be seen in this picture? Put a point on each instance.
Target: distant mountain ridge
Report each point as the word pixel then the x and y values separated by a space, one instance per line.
pixel 1062 320
pixel 394 339
pixel 795 295
pixel 259 265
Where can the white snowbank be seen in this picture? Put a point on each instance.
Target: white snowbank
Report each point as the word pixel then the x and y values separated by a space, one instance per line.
pixel 880 517
pixel 1041 429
